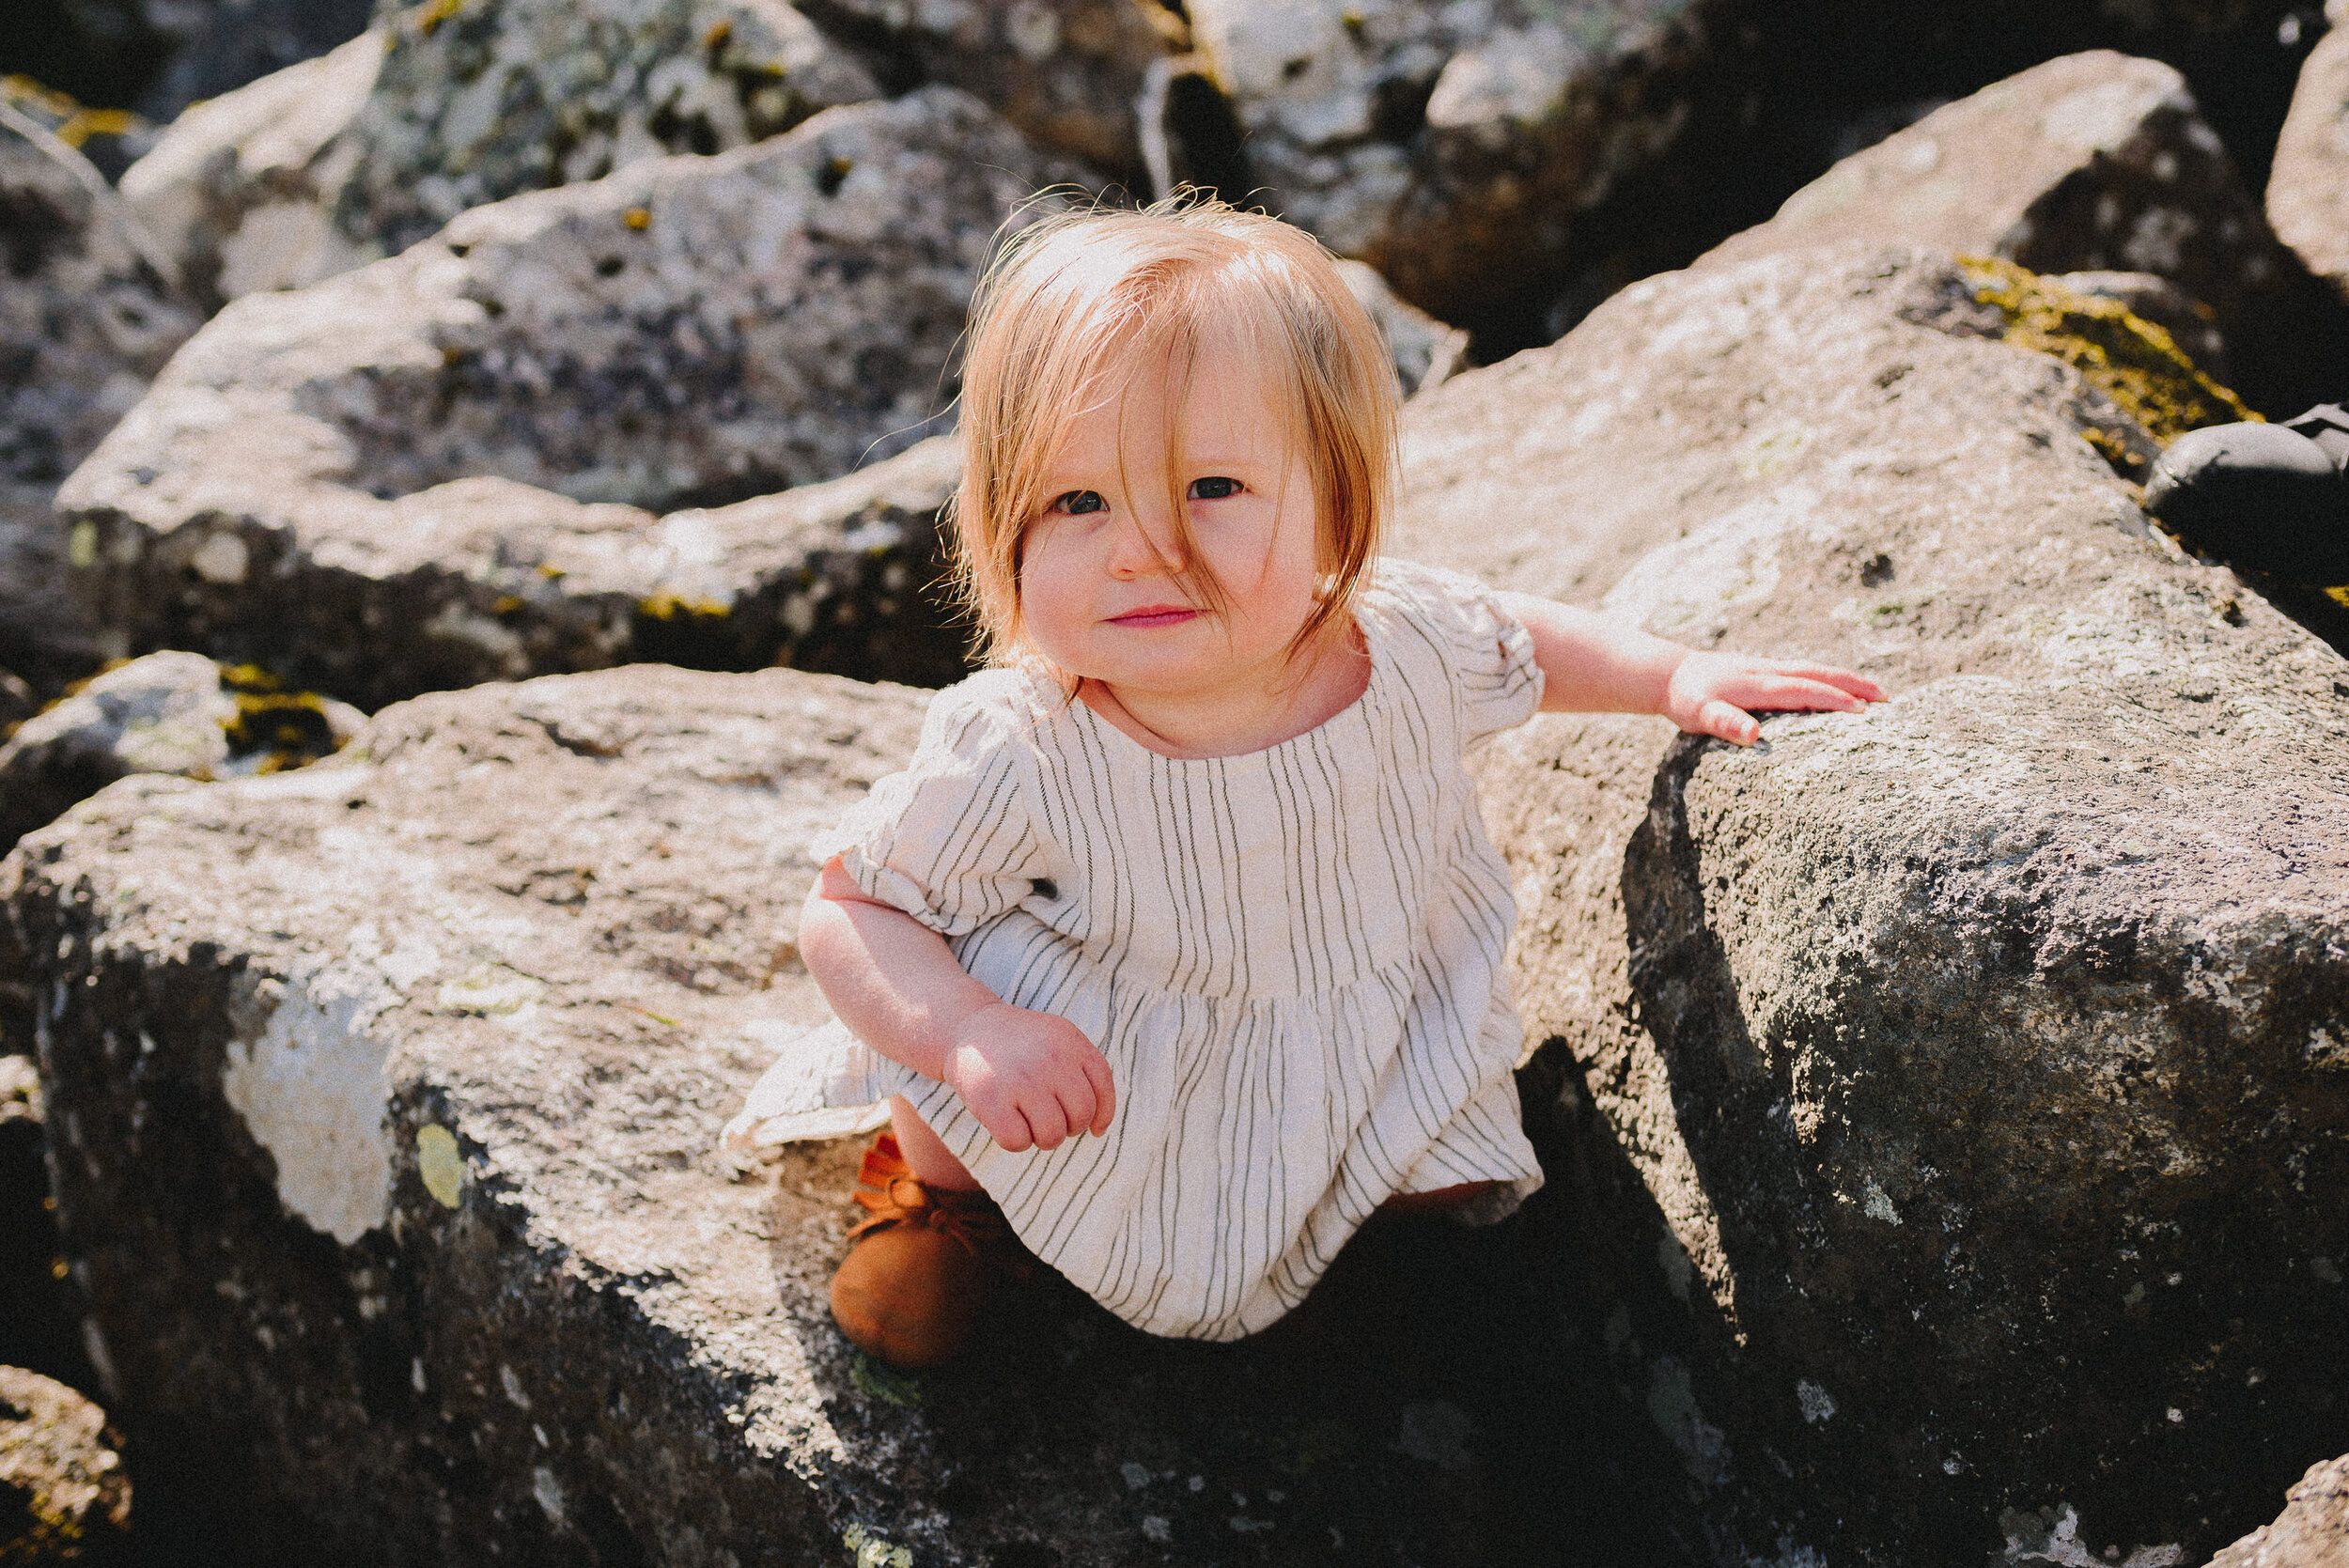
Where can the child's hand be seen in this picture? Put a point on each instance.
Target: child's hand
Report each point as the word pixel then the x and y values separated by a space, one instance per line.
pixel 1709 692
pixel 1029 1078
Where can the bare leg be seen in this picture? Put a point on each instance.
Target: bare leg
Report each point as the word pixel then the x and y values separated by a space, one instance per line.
pixel 930 1159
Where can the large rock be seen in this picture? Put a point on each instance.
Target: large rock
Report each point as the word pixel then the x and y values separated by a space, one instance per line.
pixel 2308 185
pixel 2313 1531
pixel 1067 73
pixel 1972 1070
pixel 64 1496
pixel 449 467
pixel 388 1095
pixel 85 322
pixel 241 190
pixel 166 713
pixel 2094 162
pixel 1453 147
pixel 484 99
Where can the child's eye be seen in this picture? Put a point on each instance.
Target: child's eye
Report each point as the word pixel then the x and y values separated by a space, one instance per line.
pixel 1216 489
pixel 1078 502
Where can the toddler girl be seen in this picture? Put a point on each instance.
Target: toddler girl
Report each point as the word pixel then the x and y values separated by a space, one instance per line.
pixel 1177 948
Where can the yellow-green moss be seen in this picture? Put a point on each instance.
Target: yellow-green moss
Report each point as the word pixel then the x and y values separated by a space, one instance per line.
pixel 289 729
pixel 2127 358
pixel 670 607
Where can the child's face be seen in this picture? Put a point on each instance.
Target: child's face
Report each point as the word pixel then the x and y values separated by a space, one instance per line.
pixel 1098 601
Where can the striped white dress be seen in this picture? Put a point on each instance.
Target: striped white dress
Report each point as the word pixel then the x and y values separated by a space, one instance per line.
pixel 1292 960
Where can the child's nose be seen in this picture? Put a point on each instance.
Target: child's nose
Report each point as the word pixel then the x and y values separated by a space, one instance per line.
pixel 1144 546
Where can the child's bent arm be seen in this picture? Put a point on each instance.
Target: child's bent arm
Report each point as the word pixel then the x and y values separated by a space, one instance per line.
pixel 1598 663
pixel 1028 1076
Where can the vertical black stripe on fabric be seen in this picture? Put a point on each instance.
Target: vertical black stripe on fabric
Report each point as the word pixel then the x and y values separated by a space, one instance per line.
pixel 1338 871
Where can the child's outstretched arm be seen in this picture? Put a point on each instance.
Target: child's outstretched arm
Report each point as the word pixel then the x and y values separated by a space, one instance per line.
pixel 1598 663
pixel 1029 1078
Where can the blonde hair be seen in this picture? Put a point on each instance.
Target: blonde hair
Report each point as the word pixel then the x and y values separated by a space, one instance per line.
pixel 1073 303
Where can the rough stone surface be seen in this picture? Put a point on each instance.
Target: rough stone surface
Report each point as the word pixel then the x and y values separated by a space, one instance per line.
pixel 64 1496
pixel 1067 73
pixel 166 713
pixel 481 99
pixel 448 467
pixel 2190 323
pixel 388 1095
pixel 1453 147
pixel 241 190
pixel 2094 162
pixel 84 324
pixel 2313 1531
pixel 1424 351
pixel 2308 186
pixel 1971 1070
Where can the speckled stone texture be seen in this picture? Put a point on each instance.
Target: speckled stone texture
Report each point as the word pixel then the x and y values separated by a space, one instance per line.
pixel 84 324
pixel 450 467
pixel 1451 146
pixel 2307 187
pixel 241 190
pixel 1975 1071
pixel 2313 1531
pixel 64 1498
pixel 388 1095
pixel 481 99
pixel 2090 162
pixel 1067 73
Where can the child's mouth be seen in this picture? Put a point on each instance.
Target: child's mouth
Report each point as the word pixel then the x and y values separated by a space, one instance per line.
pixel 1154 615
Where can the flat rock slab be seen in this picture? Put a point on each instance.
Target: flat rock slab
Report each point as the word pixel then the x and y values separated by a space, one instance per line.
pixel 1973 1068
pixel 2093 162
pixel 388 1095
pixel 449 467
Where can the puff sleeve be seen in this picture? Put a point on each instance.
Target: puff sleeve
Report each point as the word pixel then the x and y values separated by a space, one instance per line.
pixel 1495 682
pixel 949 839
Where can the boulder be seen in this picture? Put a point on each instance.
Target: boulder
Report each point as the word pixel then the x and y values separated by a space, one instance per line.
pixel 84 324
pixel 166 713
pixel 2313 1531
pixel 388 1096
pixel 64 1496
pixel 481 99
pixel 241 190
pixel 451 466
pixel 1067 73
pixel 1451 147
pixel 2308 185
pixel 2192 325
pixel 2093 162
pixel 1969 1072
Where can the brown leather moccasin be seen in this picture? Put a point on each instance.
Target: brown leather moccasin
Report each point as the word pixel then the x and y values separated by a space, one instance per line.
pixel 911 1288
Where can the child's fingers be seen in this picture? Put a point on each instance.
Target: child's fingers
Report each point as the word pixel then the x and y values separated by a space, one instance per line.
pixel 1828 675
pixel 1097 1068
pixel 1790 693
pixel 1727 721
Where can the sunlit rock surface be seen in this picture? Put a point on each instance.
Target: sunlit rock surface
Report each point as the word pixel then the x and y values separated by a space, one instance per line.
pixel 2308 189
pixel 64 1496
pixel 452 466
pixel 2313 1531
pixel 1971 1072
pixel 388 1095
pixel 2092 161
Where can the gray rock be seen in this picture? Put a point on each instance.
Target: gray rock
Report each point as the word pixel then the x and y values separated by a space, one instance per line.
pixel 2313 1531
pixel 481 99
pixel 2094 162
pixel 2308 185
pixel 414 1216
pixel 1424 351
pixel 1067 73
pixel 241 190
pixel 64 1496
pixel 448 467
pixel 1970 1072
pixel 84 324
pixel 165 713
pixel 1452 146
